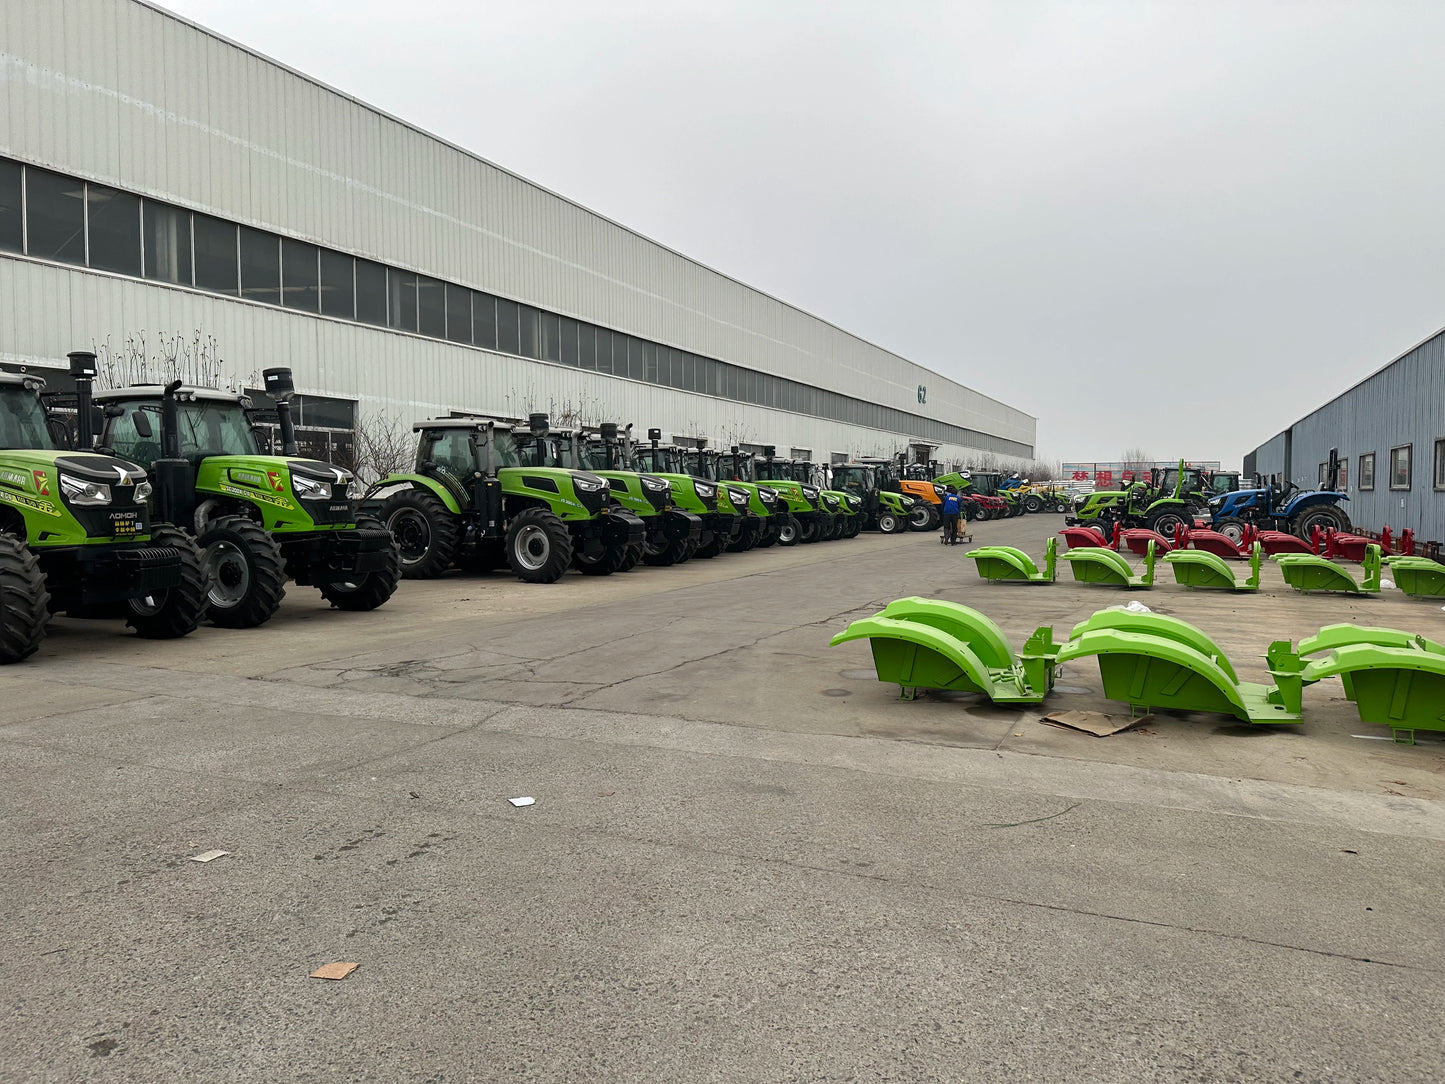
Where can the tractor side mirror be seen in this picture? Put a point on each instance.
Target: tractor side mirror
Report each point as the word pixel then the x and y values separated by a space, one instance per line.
pixel 142 424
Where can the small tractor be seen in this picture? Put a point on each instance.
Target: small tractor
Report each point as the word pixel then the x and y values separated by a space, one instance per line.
pixel 701 496
pixel 926 512
pixel 1280 505
pixel 75 532
pixel 1172 497
pixel 483 495
pixel 881 509
pixel 257 518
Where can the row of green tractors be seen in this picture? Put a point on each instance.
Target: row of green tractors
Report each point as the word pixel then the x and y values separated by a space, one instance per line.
pixel 157 504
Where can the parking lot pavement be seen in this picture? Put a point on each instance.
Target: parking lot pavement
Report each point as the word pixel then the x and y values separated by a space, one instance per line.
pixel 747 860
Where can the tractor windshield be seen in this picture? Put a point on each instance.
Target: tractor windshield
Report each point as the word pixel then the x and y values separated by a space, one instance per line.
pixel 594 456
pixel 22 420
pixel 205 427
pixel 741 468
pixel 700 465
pixel 858 480
pixel 504 449
pixel 658 461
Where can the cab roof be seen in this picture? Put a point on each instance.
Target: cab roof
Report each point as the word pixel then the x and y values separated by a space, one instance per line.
pixel 20 380
pixel 157 391
pixel 459 423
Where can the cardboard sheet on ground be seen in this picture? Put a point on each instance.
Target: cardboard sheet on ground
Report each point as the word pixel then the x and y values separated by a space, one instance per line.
pixel 334 971
pixel 1092 722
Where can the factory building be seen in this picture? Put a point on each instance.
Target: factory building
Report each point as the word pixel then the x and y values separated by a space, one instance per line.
pixel 1387 434
pixel 179 203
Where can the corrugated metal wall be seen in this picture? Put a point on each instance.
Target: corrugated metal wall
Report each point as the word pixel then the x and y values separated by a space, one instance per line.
pixel 1401 404
pixel 120 93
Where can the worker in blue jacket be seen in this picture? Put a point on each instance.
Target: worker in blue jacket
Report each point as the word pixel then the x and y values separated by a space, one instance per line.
pixel 952 512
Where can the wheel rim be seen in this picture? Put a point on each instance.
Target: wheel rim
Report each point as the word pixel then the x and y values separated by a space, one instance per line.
pixel 346 587
pixel 1233 531
pixel 920 518
pixel 886 523
pixel 412 533
pixel 532 547
pixel 150 605
pixel 787 533
pixel 1168 526
pixel 228 573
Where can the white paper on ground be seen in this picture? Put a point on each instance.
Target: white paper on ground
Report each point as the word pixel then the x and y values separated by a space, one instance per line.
pixel 208 856
pixel 521 801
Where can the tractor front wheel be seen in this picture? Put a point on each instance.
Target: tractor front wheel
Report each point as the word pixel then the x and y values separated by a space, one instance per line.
pixel 539 546
pixel 922 518
pixel 610 560
pixel 890 523
pixel 789 531
pixel 1232 529
pixel 632 560
pixel 175 611
pixel 747 537
pixel 245 574
pixel 370 589
pixel 1324 516
pixel 1168 523
pixel 1033 503
pixel 426 533
pixel 24 602
pixel 809 530
pixel 672 552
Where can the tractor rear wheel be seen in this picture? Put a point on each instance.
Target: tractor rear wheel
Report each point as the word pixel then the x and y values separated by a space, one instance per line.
pixel 1324 516
pixel 809 530
pixel 24 602
pixel 175 611
pixel 1032 502
pixel 672 552
pixel 889 523
pixel 426 533
pixel 789 530
pixel 1232 529
pixel 747 537
pixel 921 518
pixel 1168 522
pixel 633 558
pixel 768 535
pixel 245 573
pixel 370 589
pixel 539 546
pixel 855 524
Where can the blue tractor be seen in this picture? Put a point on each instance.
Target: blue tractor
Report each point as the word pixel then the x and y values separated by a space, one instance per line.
pixel 1280 506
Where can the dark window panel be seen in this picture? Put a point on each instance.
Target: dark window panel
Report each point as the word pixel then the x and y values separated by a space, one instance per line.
pixel 569 340
pixel 329 413
pixel 689 372
pixel 484 321
pixel 300 288
pixel 604 350
pixel 371 306
pixel 649 361
pixel 529 345
pixel 551 337
pixel 635 368
pixel 431 307
pixel 587 346
pixel 338 286
pixel 508 331
pixel 260 266
pixel 459 314
pixel 114 224
pixel 401 299
pixel 167 243
pixel 675 368
pixel 12 224
pixel 215 244
pixel 55 212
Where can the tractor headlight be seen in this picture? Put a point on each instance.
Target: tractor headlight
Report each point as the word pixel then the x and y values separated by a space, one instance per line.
pixel 657 485
pixel 707 490
pixel 939 491
pixel 77 491
pixel 309 490
pixel 810 492
pixel 142 493
pixel 588 483
pixel 739 497
pixel 355 490
pixel 854 502
pixel 768 496
pixel 1216 502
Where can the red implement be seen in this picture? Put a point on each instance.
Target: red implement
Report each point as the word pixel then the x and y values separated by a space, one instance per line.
pixel 1138 539
pixel 1082 538
pixel 1284 542
pixel 1208 542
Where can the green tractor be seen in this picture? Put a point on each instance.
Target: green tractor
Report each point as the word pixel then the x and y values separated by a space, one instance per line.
pixel 988 483
pixel 1172 496
pixel 879 509
pixel 483 495
pixel 896 476
pixel 809 517
pixel 75 533
pixel 672 534
pixel 737 468
pixel 704 497
pixel 258 519
pixel 742 497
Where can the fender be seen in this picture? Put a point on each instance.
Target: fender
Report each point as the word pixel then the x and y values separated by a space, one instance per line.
pixel 963 623
pixel 1305 500
pixel 1159 625
pixel 1094 564
pixel 418 481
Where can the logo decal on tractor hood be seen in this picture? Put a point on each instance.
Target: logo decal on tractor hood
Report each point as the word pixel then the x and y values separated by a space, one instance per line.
pixel 252 495
pixel 23 501
pixel 42 483
pixel 15 478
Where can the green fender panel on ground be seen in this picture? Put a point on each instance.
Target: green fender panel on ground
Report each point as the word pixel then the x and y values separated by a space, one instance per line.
pixel 1310 572
pixel 1418 577
pixel 1005 563
pixel 963 623
pixel 1196 568
pixel 1345 635
pixel 1161 625
pixel 1399 687
pixel 1098 565
pixel 1147 671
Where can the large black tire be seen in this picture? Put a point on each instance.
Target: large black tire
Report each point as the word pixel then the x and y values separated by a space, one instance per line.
pixel 245 573
pixel 809 530
pixel 1032 503
pixel 1166 522
pixel 768 535
pixel 855 524
pixel 984 514
pixel 713 547
pixel 610 560
pixel 176 611
pixel 24 602
pixel 923 517
pixel 539 547
pixel 747 537
pixel 789 530
pixel 632 559
pixel 672 552
pixel 1326 516
pixel 426 532
pixel 372 588
pixel 1232 528
pixel 890 522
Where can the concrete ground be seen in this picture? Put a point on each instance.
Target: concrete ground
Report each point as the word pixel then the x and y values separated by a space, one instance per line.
pixel 747 859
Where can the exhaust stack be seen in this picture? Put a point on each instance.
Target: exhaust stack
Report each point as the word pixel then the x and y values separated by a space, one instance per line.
pixel 280 388
pixel 82 371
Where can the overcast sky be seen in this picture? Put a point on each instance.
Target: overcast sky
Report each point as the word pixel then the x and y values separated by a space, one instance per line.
pixel 1172 226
